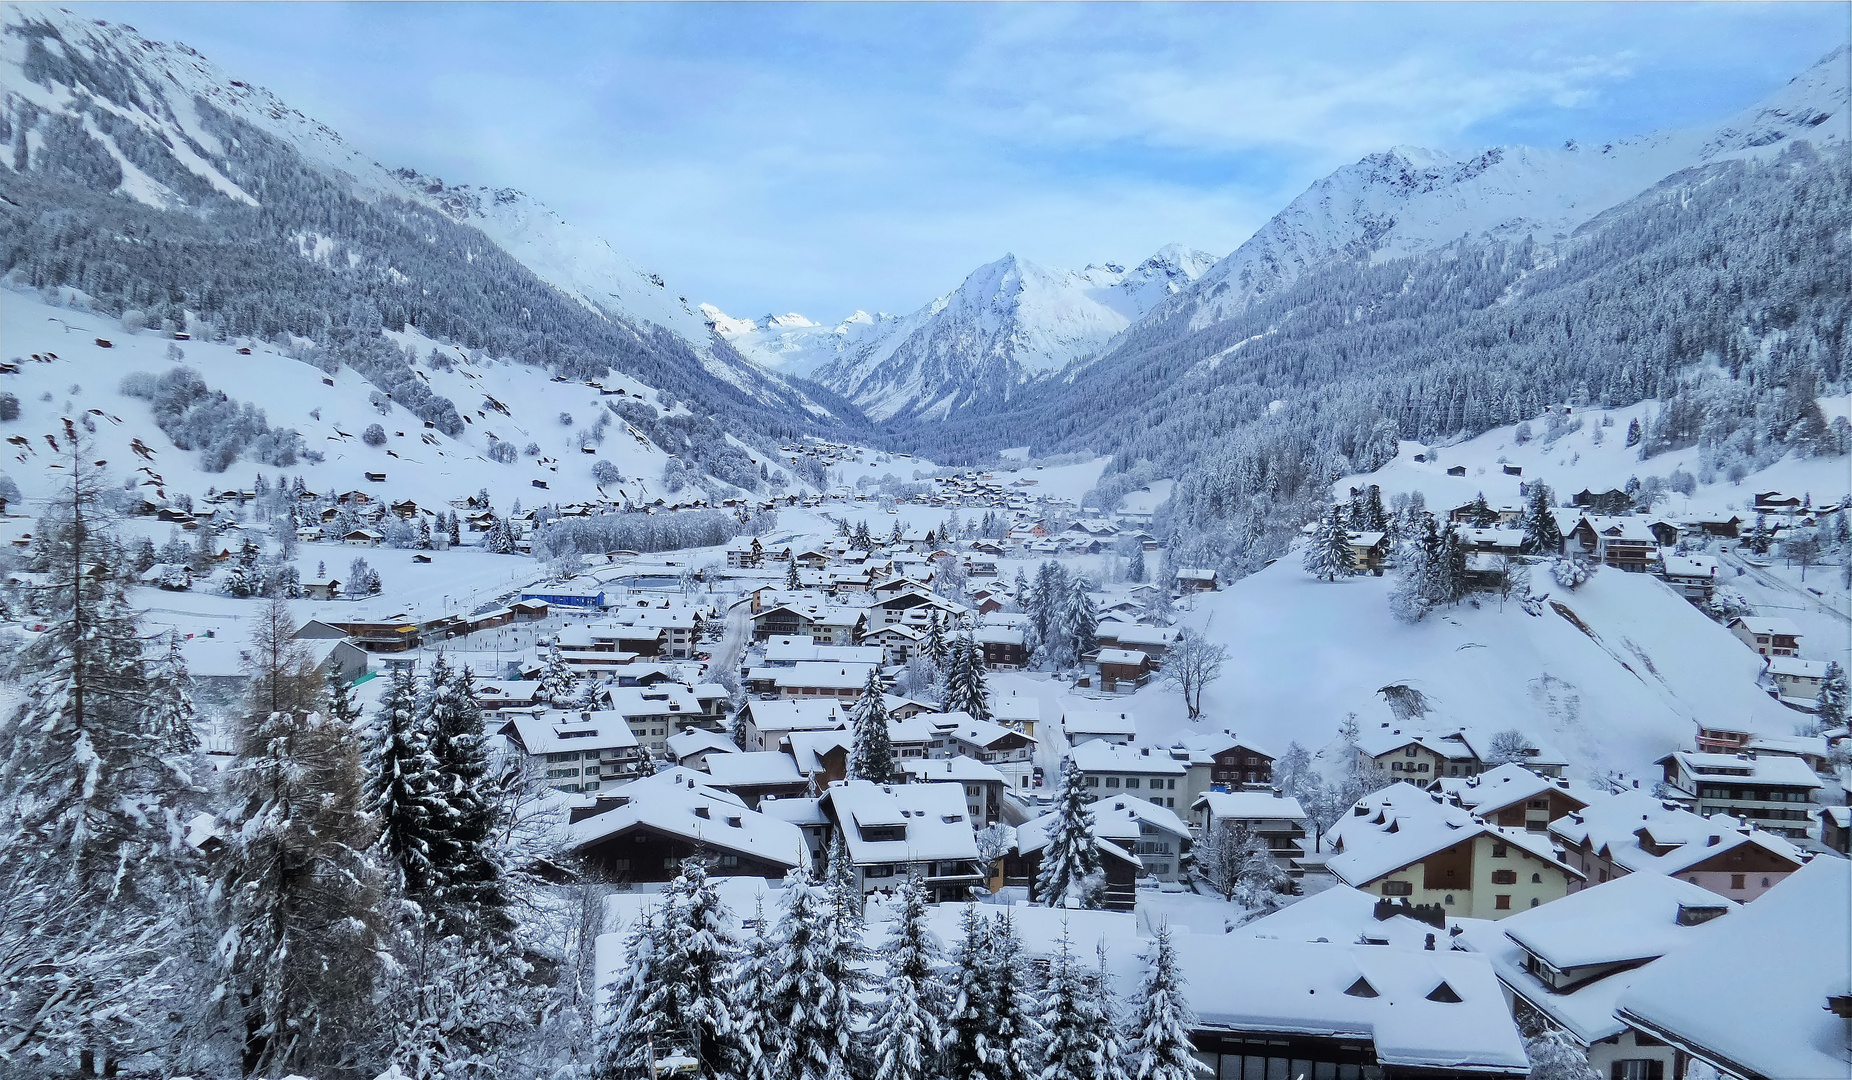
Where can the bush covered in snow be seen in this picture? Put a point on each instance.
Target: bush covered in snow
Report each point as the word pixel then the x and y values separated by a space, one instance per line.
pixel 374 435
pixel 196 417
pixel 1571 573
pixel 605 473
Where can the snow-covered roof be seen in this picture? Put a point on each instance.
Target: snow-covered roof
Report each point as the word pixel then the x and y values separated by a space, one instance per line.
pixel 1767 624
pixel 758 768
pixel 1249 806
pixel 1752 995
pixel 1362 863
pixel 692 741
pixel 781 650
pixel 932 816
pixel 1504 785
pixel 1794 667
pixel 1312 988
pixel 1095 721
pixel 826 675
pixel 662 699
pixel 797 715
pixel 958 768
pixel 1691 566
pixel 1140 811
pixel 968 729
pixel 701 815
pixel 1122 656
pixel 1101 756
pixel 1620 825
pixel 560 732
pixel 1342 914
pixel 1762 769
pixel 796 809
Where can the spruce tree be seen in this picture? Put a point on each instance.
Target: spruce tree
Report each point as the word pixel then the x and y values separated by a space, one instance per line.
pixel 792 584
pixel 970 1033
pixel 1071 1044
pixel 935 646
pixel 628 1032
pixel 403 789
pixel 912 1018
pixel 171 713
pixel 1161 1047
pixel 555 679
pixel 1135 569
pixel 473 894
pixel 750 999
pixel 965 687
pixel 1016 1032
pixel 1481 513
pixel 1115 1055
pixel 1080 618
pixel 1328 555
pixel 1835 696
pixel 694 959
pixel 872 755
pixel 1542 535
pixel 1072 853
pixel 811 992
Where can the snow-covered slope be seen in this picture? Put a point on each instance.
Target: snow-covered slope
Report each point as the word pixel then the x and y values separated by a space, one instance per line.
pixel 330 413
pixel 1010 321
pixel 152 86
pixel 1628 684
pixel 1409 200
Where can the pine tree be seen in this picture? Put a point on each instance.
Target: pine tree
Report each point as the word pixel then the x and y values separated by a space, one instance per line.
pixel 970 1034
pixel 1135 569
pixel 1835 696
pixel 811 991
pixel 403 788
pixel 171 713
pixel 1071 1046
pixel 935 646
pixel 92 958
pixel 872 755
pixel 1542 535
pixel 1081 619
pixel 913 1016
pixel 1072 853
pixel 1481 514
pixel 473 895
pixel 1016 1032
pixel 1114 1054
pixel 792 584
pixel 299 898
pixel 628 1032
pixel 1161 1047
pixel 694 959
pixel 555 679
pixel 750 999
pixel 966 689
pixel 1328 555
pixel 1760 538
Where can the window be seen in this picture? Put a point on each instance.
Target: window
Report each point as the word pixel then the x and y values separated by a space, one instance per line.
pixel 1536 879
pixel 1112 781
pixel 1502 902
pixel 1737 882
pixel 1409 752
pixel 1093 781
pixel 1172 786
pixel 1449 899
pixel 877 871
pixel 1638 1069
pixel 1534 901
pixel 1131 781
pixel 1500 851
pixel 1504 877
pixel 1398 888
pixel 1423 767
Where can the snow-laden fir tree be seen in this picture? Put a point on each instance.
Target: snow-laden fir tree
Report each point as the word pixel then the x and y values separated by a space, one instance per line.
pixel 1135 568
pixel 403 789
pixel 1114 1051
pixel 1072 1037
pixel 913 1010
pixel 93 801
pixel 1835 696
pixel 1071 857
pixel 750 1000
pixel 171 713
pixel 1079 616
pixel 1160 1047
pixel 966 689
pixel 555 678
pixel 472 893
pixel 1480 513
pixel 299 897
pixel 1542 535
pixel 970 1032
pixel 811 992
pixel 628 1033
pixel 1013 1005
pixel 935 646
pixel 695 954
pixel 1328 554
pixel 792 584
pixel 872 754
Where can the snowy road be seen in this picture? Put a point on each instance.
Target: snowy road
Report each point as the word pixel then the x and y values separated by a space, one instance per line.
pixel 733 643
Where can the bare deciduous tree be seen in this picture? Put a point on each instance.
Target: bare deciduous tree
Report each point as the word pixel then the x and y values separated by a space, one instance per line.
pixel 1191 665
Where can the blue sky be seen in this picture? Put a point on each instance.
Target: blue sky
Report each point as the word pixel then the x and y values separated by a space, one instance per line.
pixel 820 158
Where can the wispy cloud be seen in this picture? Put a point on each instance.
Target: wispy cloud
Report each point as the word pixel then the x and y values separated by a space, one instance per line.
pixel 777 157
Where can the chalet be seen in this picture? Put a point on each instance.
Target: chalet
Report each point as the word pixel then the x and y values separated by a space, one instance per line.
pixel 1153 641
pixel 1772 792
pixel 1369 551
pixel 1456 470
pixel 1011 751
pixel 646 828
pixel 375 477
pixel 1774 502
pixel 1124 669
pixel 1768 636
pixel 768 723
pixel 1466 866
pixel 1116 837
pixel 1223 761
pixel 1763 995
pixel 897 644
pixel 1084 724
pixel 1729 527
pixel 1634 833
pixel 387 635
pixel 528 610
pixel 740 557
pixel 1005 647
pixel 1611 501
pixel 754 775
pixel 405 508
pixel 1278 821
pixel 691 747
pixel 1797 682
pixel 1569 960
pixel 984 785
pixel 362 537
pixel 507 694
pixel 1836 828
pixel 575 751
pixel 1513 797
pixel 660 709
pixel 1191 580
pixel 1113 769
pixel 1693 577
pixel 893 830
pixel 1506 516
pixel 1626 543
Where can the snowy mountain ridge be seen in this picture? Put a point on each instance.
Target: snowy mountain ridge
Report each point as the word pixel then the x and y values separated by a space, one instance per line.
pixel 1008 322
pixel 1410 200
pixel 152 86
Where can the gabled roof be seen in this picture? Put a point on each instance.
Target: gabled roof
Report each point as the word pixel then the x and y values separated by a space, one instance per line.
pixel 1752 995
pixel 757 768
pixel 693 741
pixel 1763 624
pixel 936 823
pixel 1100 756
pixel 1249 806
pixel 701 815
pixel 1497 788
pixel 560 732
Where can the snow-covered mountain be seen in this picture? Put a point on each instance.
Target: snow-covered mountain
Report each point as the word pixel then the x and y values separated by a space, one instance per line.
pixel 1009 322
pixel 1410 200
pixel 140 99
